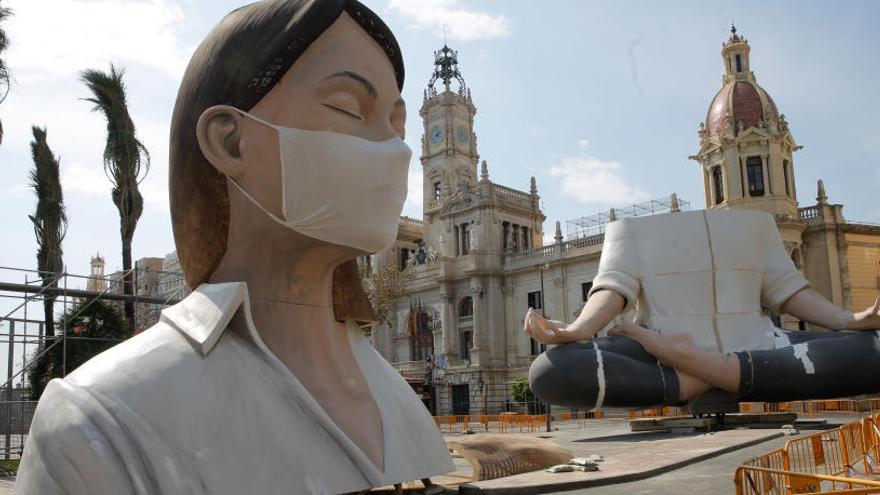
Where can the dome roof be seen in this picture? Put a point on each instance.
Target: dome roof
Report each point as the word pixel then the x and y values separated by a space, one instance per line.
pixel 745 101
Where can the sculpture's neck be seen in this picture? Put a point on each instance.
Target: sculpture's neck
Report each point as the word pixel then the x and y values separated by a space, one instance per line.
pixel 277 263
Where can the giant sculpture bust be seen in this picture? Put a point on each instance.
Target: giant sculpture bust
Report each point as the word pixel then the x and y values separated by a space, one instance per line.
pixel 287 162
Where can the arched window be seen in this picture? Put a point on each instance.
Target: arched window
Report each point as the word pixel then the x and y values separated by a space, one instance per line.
pixel 718 182
pixel 422 339
pixel 755 172
pixel 466 309
pixel 787 180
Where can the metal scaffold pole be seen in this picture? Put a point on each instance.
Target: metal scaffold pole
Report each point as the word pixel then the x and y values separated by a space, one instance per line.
pixel 64 330
pixel 8 409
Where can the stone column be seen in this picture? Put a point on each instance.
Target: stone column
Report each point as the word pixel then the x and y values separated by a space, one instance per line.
pixel 707 192
pixel 479 322
pixel 450 325
pixel 768 180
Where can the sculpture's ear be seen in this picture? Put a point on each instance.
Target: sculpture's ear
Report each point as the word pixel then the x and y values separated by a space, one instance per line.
pixel 218 132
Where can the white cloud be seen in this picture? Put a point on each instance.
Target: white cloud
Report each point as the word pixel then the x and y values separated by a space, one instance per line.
pixel 77 177
pixel 58 39
pixel 590 180
pixel 51 43
pixel 458 22
pixel 415 195
pixel 583 143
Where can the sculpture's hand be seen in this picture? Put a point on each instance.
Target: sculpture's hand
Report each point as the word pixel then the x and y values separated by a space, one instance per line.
pixel 547 331
pixel 868 319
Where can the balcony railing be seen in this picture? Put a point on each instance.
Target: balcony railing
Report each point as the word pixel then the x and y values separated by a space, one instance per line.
pixel 560 248
pixel 465 319
pixel 809 212
pixel 455 362
pixel 512 193
pixel 410 367
pixel 411 224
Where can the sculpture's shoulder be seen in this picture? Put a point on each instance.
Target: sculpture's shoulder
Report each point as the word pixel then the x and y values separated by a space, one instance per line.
pixel 744 220
pixel 109 423
pixel 144 361
pixel 693 224
pixel 77 444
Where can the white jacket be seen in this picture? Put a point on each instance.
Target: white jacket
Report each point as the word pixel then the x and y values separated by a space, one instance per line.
pixel 705 273
pixel 184 408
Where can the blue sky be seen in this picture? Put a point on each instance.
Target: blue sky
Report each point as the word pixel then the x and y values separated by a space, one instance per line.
pixel 599 101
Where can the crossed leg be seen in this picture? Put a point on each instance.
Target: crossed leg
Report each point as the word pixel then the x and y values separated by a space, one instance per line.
pixel 703 369
pixel 614 371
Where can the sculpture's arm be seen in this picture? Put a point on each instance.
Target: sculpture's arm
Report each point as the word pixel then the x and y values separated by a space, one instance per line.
pixel 811 306
pixel 69 450
pixel 600 309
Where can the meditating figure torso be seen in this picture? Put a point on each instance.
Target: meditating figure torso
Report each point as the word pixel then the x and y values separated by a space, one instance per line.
pixel 708 274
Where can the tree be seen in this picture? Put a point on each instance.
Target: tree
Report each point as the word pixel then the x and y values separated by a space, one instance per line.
pixel 385 288
pixel 126 163
pixel 92 326
pixel 4 70
pixel 49 219
pixel 521 393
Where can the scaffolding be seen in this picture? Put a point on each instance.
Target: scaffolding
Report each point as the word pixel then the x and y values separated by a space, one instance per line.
pixel 595 224
pixel 24 339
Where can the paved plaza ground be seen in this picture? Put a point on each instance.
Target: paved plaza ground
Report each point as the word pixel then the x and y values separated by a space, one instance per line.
pixel 626 453
pixel 661 462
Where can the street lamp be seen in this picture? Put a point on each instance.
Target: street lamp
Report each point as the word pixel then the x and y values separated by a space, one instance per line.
pixel 541 268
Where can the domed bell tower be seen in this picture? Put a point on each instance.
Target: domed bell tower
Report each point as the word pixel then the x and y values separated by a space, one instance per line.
pixel 746 147
pixel 449 145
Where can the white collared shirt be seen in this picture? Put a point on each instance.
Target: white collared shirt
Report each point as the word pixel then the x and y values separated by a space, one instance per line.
pixel 704 273
pixel 186 408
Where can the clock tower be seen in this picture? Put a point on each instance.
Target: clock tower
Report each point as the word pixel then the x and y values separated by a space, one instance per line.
pixel 449 145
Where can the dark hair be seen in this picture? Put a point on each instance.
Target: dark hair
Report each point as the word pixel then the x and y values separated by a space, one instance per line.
pixel 241 60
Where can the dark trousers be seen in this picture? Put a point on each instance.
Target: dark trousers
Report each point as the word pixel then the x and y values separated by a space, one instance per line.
pixel 618 372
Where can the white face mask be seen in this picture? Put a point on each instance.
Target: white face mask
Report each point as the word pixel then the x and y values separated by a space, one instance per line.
pixel 340 188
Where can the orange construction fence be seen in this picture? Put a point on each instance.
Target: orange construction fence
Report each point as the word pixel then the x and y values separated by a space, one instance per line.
pixel 841 460
pixel 524 423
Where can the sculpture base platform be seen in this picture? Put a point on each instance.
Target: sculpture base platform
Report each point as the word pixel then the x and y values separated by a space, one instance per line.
pixel 739 420
pixel 627 457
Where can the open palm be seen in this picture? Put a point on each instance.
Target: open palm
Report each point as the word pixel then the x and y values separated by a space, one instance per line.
pixel 868 319
pixel 544 330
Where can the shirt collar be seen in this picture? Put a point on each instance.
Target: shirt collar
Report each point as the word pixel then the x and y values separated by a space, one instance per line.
pixel 204 314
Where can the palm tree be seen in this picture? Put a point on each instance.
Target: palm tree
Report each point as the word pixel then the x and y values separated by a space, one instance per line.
pixel 5 12
pixel 126 163
pixel 91 326
pixel 49 219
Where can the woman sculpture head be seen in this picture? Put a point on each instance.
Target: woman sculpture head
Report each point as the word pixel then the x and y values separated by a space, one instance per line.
pixel 329 65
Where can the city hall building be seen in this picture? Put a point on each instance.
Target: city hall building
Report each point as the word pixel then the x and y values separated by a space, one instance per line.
pixel 476 260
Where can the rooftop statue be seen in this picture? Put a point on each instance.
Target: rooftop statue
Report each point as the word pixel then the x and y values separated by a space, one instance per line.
pixel 286 163
pixel 701 283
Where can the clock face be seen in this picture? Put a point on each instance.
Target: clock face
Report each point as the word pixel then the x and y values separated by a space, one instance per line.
pixel 462 134
pixel 436 134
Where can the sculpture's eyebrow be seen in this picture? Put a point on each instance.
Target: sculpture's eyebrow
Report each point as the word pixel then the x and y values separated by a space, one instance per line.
pixel 363 81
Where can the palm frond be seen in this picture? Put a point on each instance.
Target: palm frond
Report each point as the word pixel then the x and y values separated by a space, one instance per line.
pixel 50 216
pixel 5 13
pixel 126 159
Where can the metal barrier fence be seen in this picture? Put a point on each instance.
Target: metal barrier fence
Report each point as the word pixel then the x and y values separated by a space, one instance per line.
pixel 527 423
pixel 842 460
pixel 510 422
pixel 816 407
